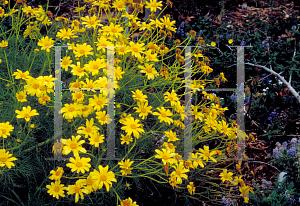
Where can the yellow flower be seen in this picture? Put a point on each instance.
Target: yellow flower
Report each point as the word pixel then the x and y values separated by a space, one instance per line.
pixel 125 165
pixel 196 160
pixel 1 12
pixel 46 43
pixel 73 145
pixel 167 156
pixel 77 189
pixel 191 188
pixel 172 97
pixel 143 109
pixel 149 57
pixel 119 5
pixel 56 189
pixel 78 96
pixel 179 172
pixel 78 70
pixel 205 154
pixel 21 75
pixel 148 70
pixel 226 176
pixel 113 30
pixel 95 65
pixel 213 43
pixel 5 129
pixel 223 79
pixel 82 49
pixel 103 177
pixel 102 117
pixel 167 23
pixel 139 96
pixel 91 21
pixel 132 127
pixel 89 129
pixel 71 111
pixel 244 190
pixel 3 44
pixel 98 102
pixel 171 135
pixel 79 164
pixel 237 180
pixel 173 181
pixel 5 159
pixel 128 202
pixel 65 34
pixel 163 115
pixel 96 139
pixel 66 62
pixel 34 86
pixel 136 49
pixel 126 139
pixel 153 5
pixel 26 113
pixel 230 41
pixel 56 175
pixel 57 147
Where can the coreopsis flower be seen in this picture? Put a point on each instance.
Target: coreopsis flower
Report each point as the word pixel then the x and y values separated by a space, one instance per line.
pixel 173 181
pixel 46 43
pixel 153 5
pixel 148 70
pixel 128 202
pixel 79 164
pixel 119 5
pixel 78 70
pixel 213 43
pixel 34 86
pixel 89 129
pixel 191 188
pixel 136 49
pixel 56 189
pixel 167 23
pixel 226 176
pixel 112 30
pixel 103 117
pixel 98 102
pixel 149 57
pixel 126 139
pixel 82 50
pixel 76 189
pixel 179 172
pixel 96 139
pixel 89 185
pixel 6 159
pixel 244 192
pixel 132 126
pixel 3 43
pixel 139 96
pixel 73 145
pixel 171 135
pixel 171 97
pixel 91 21
pixel 86 110
pixel 78 96
pixel 167 156
pixel 5 129
pixel 21 75
pixel 143 109
pixel 196 160
pixel 103 177
pixel 125 165
pixel 163 115
pixel 56 175
pixel 66 62
pixel 26 113
pixel 205 154
pixel 94 66
pixel 65 34
pixel 70 111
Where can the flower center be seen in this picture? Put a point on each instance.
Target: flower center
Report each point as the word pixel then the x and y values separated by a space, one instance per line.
pixel 26 115
pixel 56 189
pixel 114 30
pixel 143 110
pixel 89 182
pixel 57 173
pixel 85 109
pixel 153 5
pixel 35 86
pixel 3 131
pixel 80 69
pixel 95 67
pixel 149 70
pixel 3 159
pixel 135 49
pixel 88 129
pixel 77 189
pixel 73 145
pixel 163 114
pixel 171 98
pixel 165 157
pixel 71 109
pixel 178 173
pixel 96 139
pixel 78 164
pixel 92 22
pixel 99 102
pixel 133 126
pixel 126 203
pixel 103 178
pixel 207 154
pixel 82 51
